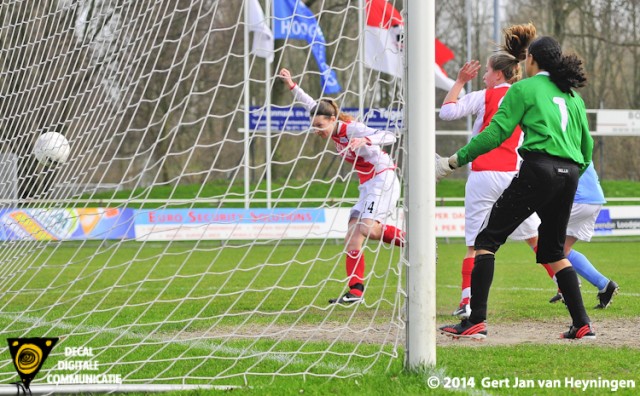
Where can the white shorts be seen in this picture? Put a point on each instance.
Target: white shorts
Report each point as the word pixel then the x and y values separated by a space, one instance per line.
pixel 481 191
pixel 378 197
pixel 582 221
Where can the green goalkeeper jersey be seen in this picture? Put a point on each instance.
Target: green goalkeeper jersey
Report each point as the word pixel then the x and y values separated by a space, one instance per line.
pixel 553 122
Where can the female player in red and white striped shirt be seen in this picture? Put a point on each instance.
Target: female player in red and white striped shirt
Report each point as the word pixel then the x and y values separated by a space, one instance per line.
pixel 492 172
pixel 379 186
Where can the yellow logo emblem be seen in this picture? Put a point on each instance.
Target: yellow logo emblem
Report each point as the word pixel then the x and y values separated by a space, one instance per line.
pixel 28 355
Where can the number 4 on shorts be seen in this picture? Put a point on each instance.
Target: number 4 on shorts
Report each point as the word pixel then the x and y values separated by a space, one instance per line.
pixel 370 208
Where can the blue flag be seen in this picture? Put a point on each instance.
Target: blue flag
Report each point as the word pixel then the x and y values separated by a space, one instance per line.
pixel 293 20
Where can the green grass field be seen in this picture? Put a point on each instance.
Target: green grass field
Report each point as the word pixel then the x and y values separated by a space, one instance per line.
pixel 105 302
pixel 331 192
pixel 254 315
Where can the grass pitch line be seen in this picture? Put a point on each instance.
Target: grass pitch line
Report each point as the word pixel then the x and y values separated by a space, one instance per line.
pixel 204 345
pixel 535 289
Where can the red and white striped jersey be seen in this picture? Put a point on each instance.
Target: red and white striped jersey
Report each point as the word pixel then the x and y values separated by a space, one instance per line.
pixel 369 160
pixel 484 104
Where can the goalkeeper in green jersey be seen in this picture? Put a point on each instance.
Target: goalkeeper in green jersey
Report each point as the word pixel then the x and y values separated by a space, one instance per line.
pixel 556 149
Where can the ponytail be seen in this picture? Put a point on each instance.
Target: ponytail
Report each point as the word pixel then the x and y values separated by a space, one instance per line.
pixel 569 74
pixel 517 39
pixel 513 51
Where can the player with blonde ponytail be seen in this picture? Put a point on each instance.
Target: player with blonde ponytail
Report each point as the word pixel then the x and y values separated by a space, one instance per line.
pixel 490 173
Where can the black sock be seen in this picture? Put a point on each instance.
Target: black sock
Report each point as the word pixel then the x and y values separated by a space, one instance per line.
pixel 481 278
pixel 568 283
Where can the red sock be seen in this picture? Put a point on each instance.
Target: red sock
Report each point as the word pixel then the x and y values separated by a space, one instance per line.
pixel 355 270
pixel 391 234
pixel 549 270
pixel 467 267
pixel 546 266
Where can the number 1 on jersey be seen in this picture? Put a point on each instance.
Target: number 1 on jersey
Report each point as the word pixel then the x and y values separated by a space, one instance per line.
pixel 564 116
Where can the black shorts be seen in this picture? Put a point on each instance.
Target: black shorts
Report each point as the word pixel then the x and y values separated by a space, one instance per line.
pixel 545 185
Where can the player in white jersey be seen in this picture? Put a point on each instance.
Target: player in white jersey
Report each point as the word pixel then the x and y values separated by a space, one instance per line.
pixel 490 173
pixel 379 186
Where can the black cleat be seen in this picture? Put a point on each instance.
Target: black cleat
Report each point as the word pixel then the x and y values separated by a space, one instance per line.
pixel 463 311
pixel 574 333
pixel 466 329
pixel 347 299
pixel 556 298
pixel 606 296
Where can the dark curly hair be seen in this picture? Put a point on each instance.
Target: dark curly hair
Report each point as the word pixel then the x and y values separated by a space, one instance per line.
pixel 565 70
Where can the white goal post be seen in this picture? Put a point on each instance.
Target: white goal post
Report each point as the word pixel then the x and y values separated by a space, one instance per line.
pixel 172 251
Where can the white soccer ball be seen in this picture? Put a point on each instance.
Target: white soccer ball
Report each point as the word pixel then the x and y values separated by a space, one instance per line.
pixel 51 148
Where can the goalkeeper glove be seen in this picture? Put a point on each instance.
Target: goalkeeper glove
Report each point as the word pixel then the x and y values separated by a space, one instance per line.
pixel 445 166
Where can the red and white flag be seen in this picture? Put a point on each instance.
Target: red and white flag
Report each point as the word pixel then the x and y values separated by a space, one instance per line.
pixel 383 38
pixel 443 55
pixel 383 43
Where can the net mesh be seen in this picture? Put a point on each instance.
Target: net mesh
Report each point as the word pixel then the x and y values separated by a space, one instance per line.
pixel 183 243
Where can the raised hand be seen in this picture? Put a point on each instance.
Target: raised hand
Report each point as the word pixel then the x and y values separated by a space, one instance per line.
pixel 285 76
pixel 469 71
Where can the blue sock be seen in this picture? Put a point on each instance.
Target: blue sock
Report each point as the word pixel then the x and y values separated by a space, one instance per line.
pixel 585 269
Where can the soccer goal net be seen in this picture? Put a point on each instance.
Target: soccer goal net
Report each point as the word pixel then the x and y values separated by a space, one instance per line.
pixel 196 233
